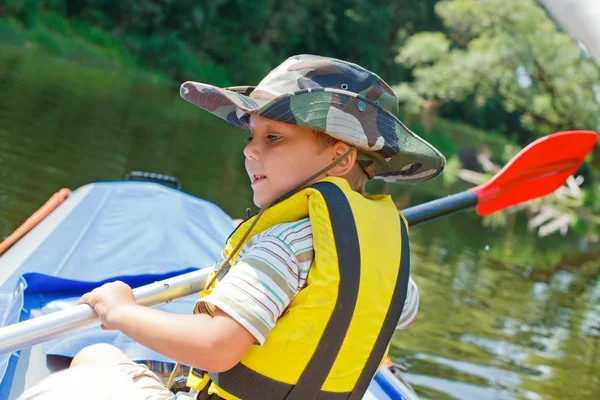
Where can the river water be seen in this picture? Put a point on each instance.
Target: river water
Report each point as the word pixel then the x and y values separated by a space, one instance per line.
pixel 503 313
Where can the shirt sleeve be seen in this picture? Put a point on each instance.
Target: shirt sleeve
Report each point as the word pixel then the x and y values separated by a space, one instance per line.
pixel 411 306
pixel 257 290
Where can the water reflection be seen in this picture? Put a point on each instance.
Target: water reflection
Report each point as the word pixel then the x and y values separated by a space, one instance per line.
pixel 486 332
pixel 64 126
pixel 497 321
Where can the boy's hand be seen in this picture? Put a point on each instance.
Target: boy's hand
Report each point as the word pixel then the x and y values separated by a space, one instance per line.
pixel 106 301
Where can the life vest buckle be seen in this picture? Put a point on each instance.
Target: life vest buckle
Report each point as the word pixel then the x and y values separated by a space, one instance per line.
pixel 197 379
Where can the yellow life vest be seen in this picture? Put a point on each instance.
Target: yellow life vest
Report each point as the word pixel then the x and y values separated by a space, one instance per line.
pixel 331 339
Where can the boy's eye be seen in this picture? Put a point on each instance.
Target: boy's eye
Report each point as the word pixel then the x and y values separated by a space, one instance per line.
pixel 273 138
pixel 249 139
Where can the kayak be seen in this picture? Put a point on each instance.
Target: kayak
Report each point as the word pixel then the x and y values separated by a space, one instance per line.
pixel 136 231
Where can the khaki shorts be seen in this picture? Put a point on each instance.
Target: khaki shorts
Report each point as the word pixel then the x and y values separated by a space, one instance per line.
pixel 126 381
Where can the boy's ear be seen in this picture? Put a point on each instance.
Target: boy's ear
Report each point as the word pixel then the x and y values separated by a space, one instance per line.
pixel 345 166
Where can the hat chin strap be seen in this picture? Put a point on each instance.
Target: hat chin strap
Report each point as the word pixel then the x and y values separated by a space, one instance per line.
pixel 283 196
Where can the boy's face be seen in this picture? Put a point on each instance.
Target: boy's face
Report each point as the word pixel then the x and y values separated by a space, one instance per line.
pixel 279 156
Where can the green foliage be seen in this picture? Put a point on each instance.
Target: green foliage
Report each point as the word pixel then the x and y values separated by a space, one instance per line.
pixel 233 41
pixel 52 34
pixel 229 42
pixel 508 49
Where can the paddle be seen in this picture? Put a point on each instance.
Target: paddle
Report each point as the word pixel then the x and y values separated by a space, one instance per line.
pixel 537 170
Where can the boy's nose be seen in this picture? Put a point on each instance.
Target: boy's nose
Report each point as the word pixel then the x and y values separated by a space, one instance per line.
pixel 251 152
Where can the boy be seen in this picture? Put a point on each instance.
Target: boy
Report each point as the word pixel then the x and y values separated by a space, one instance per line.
pixel 308 293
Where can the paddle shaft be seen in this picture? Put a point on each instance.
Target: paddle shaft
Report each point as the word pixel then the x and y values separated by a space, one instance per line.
pixel 438 208
pixel 61 323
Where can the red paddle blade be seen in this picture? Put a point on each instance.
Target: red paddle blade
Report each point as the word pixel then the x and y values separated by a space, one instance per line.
pixel 538 169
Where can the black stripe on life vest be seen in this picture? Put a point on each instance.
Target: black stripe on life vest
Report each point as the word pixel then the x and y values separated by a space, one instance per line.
pixel 245 383
pixel 348 252
pixel 391 320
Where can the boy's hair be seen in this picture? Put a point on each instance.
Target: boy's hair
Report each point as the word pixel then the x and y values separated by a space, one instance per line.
pixel 357 177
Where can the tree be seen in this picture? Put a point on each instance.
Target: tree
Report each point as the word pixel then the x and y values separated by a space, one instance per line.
pixel 508 49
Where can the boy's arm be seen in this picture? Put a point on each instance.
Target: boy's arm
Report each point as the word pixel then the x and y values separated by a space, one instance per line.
pixel 213 343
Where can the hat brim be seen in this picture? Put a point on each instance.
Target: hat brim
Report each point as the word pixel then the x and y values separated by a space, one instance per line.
pixel 390 151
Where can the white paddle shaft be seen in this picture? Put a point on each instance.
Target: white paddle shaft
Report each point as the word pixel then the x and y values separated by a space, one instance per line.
pixel 57 324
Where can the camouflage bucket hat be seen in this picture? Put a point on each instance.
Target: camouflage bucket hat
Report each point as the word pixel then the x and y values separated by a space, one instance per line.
pixel 339 98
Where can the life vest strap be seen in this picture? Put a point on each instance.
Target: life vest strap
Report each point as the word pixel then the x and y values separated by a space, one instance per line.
pixel 246 383
pixel 197 379
pixel 348 251
pixel 391 319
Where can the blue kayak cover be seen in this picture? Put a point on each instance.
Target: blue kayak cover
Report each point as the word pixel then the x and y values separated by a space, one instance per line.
pixel 137 232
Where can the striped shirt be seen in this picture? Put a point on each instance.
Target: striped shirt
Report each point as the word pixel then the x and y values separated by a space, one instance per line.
pixel 272 269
